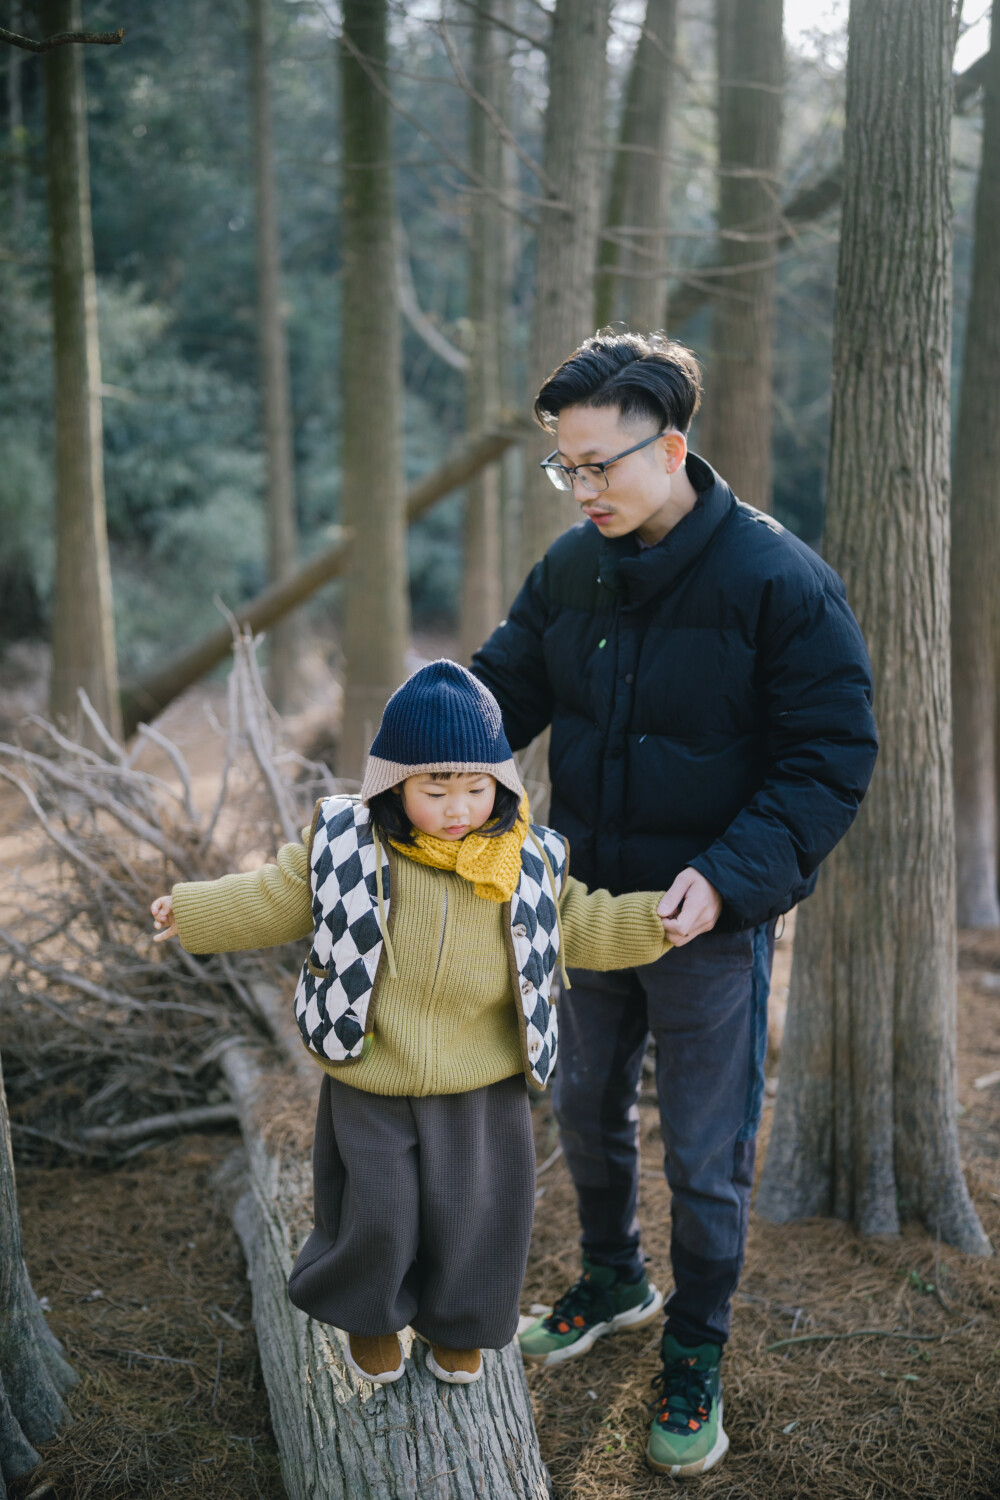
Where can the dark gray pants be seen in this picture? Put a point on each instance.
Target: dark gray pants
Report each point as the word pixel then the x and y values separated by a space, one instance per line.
pixel 706 1007
pixel 423 1212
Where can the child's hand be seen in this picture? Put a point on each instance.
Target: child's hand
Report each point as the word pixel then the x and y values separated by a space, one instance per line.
pixel 163 916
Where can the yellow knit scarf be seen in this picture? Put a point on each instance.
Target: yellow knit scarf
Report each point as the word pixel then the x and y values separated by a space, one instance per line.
pixel 492 864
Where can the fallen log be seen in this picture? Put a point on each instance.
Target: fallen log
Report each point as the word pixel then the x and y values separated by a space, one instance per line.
pixel 150 695
pixel 341 1438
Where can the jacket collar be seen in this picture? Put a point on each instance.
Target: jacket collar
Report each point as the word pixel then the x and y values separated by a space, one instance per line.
pixel 641 577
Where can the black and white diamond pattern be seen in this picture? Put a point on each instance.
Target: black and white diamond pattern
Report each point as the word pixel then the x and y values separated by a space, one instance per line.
pixel 331 1006
pixel 347 943
pixel 535 934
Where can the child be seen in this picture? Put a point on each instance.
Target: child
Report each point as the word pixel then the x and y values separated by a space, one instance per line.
pixel 437 914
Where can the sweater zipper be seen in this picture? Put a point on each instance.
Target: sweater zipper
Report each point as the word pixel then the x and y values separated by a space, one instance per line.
pixel 444 920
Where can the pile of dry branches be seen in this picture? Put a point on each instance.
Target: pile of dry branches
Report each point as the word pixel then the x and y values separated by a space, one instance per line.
pixel 108 1039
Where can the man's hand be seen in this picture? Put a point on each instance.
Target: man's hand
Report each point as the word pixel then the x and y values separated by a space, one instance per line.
pixel 689 908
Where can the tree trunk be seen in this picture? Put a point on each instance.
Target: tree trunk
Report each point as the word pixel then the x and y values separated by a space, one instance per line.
pixel 865 1122
pixel 15 125
pixel 340 1438
pixel 975 538
pixel 33 1374
pixel 275 398
pixel 632 279
pixel 566 241
pixel 376 593
pixel 740 396
pixel 83 638
pixel 489 310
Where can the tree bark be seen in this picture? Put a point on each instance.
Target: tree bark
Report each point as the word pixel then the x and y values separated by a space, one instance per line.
pixel 737 425
pixel 566 241
pixel 632 277
pixel 152 694
pixel 15 127
pixel 34 1377
pixel 975 536
pixel 338 1437
pixel 83 639
pixel 865 1122
pixel 376 593
pixel 273 352
pixel 490 270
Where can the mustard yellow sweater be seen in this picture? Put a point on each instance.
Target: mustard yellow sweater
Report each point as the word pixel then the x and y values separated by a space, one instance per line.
pixel 448 1023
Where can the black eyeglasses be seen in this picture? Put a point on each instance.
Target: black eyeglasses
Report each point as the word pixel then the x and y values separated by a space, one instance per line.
pixel 592 476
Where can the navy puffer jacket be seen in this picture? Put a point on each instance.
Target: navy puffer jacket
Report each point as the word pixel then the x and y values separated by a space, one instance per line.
pixel 710 701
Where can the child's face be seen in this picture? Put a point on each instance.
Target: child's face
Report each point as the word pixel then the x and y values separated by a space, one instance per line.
pixel 451 807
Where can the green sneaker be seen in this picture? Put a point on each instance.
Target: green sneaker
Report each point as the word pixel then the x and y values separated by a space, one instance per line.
pixel 596 1304
pixel 687 1436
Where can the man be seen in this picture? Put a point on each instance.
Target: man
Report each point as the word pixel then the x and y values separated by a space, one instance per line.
pixel 709 696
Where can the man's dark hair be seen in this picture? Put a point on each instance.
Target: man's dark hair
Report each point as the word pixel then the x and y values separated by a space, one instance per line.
pixel 389 817
pixel 643 375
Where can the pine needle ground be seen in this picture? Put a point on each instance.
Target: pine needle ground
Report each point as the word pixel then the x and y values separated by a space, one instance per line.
pixel 859 1418
pixel 147 1290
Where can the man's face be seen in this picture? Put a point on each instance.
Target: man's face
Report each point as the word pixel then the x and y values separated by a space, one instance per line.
pixel 639 486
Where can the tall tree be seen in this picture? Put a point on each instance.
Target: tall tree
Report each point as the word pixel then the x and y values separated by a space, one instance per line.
pixel 34 1377
pixel 275 398
pixel 975 536
pixel 489 298
pixel 865 1123
pixel 568 229
pixel 376 602
pixel 739 398
pixel 15 125
pixel 632 276
pixel 83 638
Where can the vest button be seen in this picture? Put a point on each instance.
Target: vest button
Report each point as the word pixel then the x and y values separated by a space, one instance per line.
pixel 520 930
pixel 527 987
pixel 534 1047
pixel 630 678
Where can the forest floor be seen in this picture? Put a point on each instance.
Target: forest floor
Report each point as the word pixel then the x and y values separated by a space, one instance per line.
pixel 145 1285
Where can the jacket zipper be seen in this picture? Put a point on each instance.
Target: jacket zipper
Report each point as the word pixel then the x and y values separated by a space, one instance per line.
pixel 444 921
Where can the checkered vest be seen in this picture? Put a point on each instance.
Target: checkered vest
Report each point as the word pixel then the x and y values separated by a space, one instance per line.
pixel 345 966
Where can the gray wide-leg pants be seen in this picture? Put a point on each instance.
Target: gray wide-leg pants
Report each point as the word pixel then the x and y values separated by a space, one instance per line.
pixel 423 1213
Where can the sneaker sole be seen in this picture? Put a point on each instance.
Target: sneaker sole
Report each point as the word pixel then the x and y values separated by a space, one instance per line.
pixel 453 1377
pixel 714 1456
pixel 385 1378
pixel 635 1317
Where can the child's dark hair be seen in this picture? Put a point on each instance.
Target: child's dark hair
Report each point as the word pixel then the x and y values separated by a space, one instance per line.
pixel 643 375
pixel 390 821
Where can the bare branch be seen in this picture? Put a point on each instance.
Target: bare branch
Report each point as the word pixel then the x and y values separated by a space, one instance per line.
pixel 182 1119
pixel 409 305
pixel 59 839
pixel 522 36
pixel 433 140
pixel 62 38
pixel 493 115
pixel 147 732
pixel 63 976
pixel 100 729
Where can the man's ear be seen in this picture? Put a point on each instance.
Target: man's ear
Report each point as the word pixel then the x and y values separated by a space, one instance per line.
pixel 674 447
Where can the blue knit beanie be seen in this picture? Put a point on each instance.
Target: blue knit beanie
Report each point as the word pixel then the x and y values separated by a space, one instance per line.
pixel 441 719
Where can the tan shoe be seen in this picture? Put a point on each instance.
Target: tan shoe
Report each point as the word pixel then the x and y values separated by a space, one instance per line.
pixel 456 1366
pixel 379 1360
